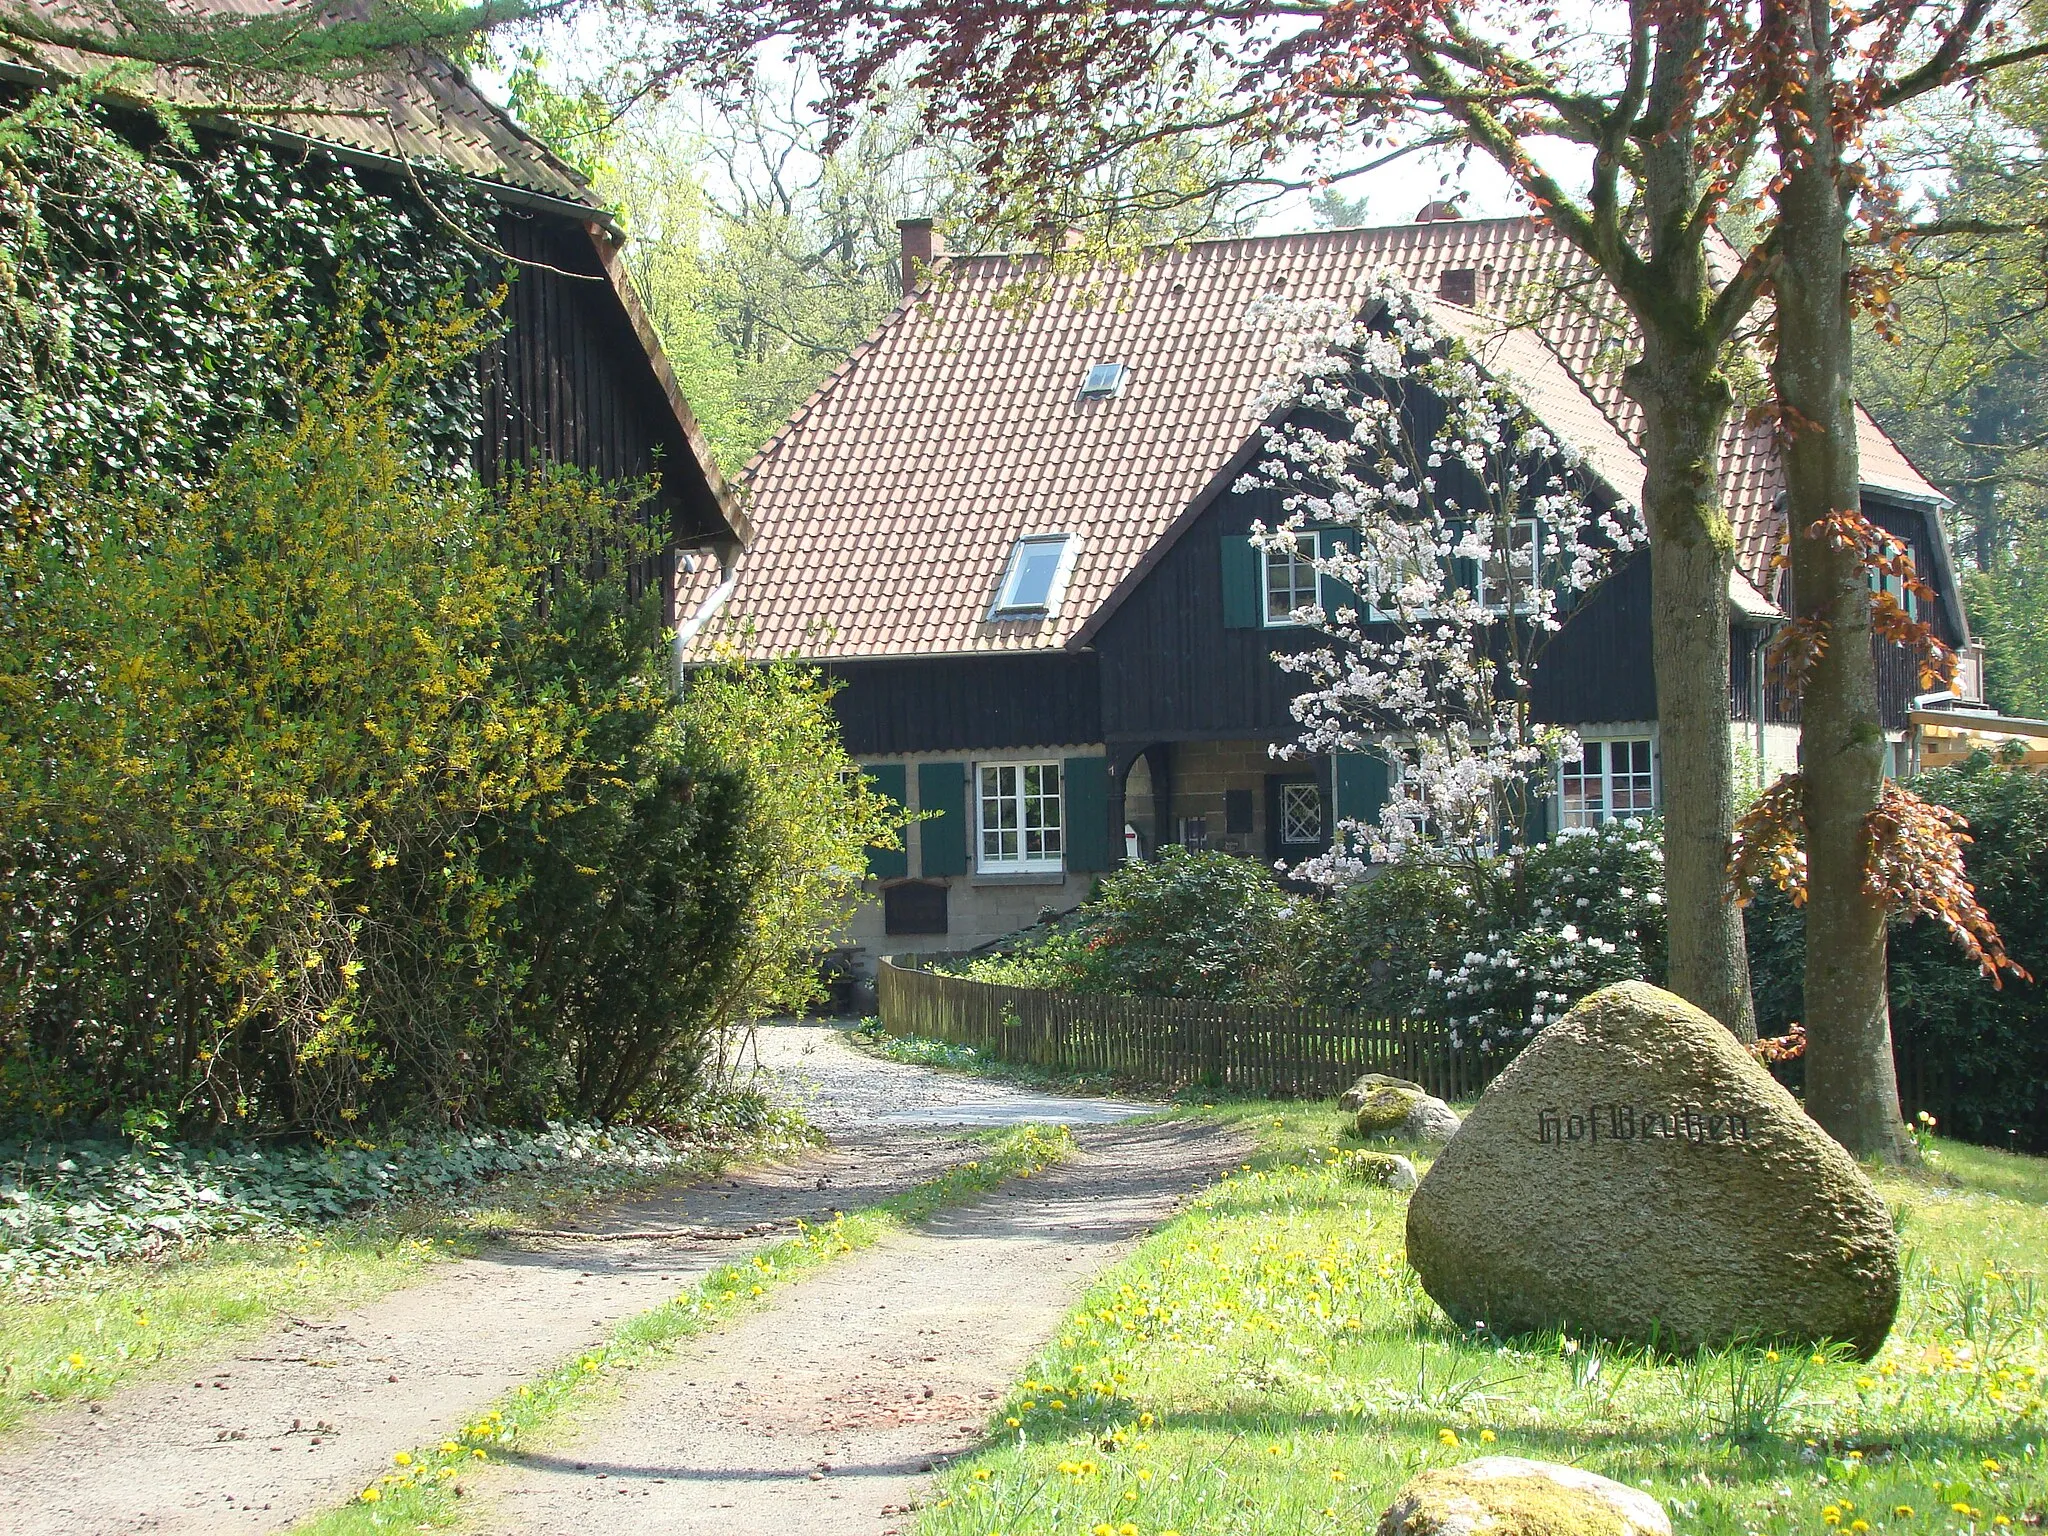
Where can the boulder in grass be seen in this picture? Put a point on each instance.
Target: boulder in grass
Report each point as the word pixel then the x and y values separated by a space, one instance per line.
pixel 1508 1496
pixel 1384 1111
pixel 1432 1121
pixel 1635 1175
pixel 1353 1098
pixel 1389 1170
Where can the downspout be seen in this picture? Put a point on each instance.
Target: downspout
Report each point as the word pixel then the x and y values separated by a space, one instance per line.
pixel 690 628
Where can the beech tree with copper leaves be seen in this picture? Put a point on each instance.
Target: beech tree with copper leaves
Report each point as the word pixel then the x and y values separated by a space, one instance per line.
pixel 1845 842
pixel 1661 109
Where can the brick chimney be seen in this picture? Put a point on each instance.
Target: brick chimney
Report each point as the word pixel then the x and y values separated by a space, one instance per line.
pixel 922 246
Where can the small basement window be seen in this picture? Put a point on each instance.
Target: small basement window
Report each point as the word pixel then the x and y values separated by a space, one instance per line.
pixel 1035 577
pixel 1104 381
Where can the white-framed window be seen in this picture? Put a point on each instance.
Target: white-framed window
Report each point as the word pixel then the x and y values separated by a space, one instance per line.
pixel 1902 594
pixel 1301 814
pixel 1036 576
pixel 1608 779
pixel 1020 822
pixel 1290 580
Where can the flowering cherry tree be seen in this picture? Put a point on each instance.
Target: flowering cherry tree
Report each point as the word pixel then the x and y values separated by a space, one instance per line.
pixel 1461 532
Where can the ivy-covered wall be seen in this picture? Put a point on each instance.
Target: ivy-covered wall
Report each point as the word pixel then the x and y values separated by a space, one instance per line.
pixel 160 290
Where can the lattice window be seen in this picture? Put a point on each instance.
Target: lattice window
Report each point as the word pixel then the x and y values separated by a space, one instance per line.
pixel 1021 823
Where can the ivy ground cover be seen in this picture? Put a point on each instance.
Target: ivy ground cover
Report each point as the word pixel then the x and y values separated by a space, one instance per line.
pixel 1266 1363
pixel 116 1259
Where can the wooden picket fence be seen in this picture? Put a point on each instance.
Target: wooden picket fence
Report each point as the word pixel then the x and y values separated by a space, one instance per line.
pixel 1173 1042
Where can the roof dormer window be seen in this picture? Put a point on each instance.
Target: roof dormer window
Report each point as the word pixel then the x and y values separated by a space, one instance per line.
pixel 1105 381
pixel 1035 577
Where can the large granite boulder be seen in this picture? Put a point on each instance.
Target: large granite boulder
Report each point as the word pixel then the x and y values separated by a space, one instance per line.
pixel 1636 1175
pixel 1507 1496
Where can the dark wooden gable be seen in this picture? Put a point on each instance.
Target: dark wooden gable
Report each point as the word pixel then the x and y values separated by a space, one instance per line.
pixel 570 381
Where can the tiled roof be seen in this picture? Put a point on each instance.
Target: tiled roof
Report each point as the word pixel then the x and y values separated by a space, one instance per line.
pixel 427 109
pixel 886 509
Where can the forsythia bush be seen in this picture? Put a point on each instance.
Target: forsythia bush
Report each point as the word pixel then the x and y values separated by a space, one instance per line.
pixel 337 790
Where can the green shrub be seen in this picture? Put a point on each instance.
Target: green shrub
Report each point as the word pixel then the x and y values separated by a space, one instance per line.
pixel 339 792
pixel 1200 925
pixel 1986 1047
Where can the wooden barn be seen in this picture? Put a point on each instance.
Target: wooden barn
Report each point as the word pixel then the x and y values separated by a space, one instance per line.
pixel 577 375
pixel 1012 534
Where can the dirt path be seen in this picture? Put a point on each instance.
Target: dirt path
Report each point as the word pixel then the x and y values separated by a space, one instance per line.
pixel 825 1413
pixel 297 1420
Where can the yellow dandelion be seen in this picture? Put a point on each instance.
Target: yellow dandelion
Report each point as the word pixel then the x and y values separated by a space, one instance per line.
pixel 371 1495
pixel 1902 1511
pixel 76 1362
pixel 1487 1437
pixel 403 1458
pixel 1012 1423
pixel 1449 1437
pixel 1831 1515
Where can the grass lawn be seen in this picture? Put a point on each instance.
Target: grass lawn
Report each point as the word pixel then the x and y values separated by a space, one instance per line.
pixel 95 1330
pixel 1267 1363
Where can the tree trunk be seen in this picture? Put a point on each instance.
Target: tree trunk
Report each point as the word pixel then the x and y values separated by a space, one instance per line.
pixel 1685 404
pixel 1851 1087
pixel 1685 398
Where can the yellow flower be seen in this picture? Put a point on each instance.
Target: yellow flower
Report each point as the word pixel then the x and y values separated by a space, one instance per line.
pixel 449 1447
pixel 1104 1529
pixel 1448 1437
pixel 1336 1474
pixel 982 1474
pixel 1127 1529
pixel 1770 1354
pixel 142 1319
pixel 1903 1511
pixel 403 1458
pixel 1487 1437
pixel 1012 1423
pixel 1859 1525
pixel 1058 1403
pixel 76 1362
pixel 1831 1515
pixel 1990 1465
pixel 1144 1421
pixel 370 1495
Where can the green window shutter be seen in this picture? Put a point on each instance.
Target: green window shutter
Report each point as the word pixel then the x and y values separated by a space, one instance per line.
pixel 1361 787
pixel 942 787
pixel 1086 780
pixel 1244 584
pixel 889 779
pixel 1336 594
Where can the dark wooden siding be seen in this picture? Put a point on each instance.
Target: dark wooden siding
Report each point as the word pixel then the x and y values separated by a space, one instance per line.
pixel 569 382
pixel 1171 671
pixel 961 703
pixel 1597 667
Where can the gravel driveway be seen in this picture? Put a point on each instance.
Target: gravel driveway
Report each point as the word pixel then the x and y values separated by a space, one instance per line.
pixel 295 1421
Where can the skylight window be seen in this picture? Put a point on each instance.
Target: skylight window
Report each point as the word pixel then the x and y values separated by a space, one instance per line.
pixel 1104 381
pixel 1037 572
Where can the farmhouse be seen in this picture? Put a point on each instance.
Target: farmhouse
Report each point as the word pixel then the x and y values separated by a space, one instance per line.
pixel 576 375
pixel 1011 531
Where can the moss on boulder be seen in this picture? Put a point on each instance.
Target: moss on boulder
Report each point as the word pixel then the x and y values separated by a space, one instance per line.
pixel 1389 1170
pixel 1508 1496
pixel 1354 1096
pixel 1385 1110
